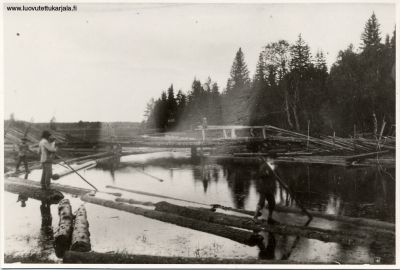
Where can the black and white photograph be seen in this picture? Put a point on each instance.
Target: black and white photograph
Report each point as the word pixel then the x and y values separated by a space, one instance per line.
pixel 231 134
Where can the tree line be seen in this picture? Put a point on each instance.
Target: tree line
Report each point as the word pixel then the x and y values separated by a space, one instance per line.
pixel 293 89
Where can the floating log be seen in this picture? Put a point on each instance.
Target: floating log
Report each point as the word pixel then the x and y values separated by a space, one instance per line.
pixel 133 201
pixel 240 236
pixel 117 258
pixel 89 157
pixel 342 237
pixel 62 235
pixel 62 188
pixel 81 235
pixel 50 196
pixel 152 194
pixel 375 224
pixel 364 156
pixel 76 168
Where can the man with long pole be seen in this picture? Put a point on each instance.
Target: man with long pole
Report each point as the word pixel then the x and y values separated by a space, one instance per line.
pixel 47 151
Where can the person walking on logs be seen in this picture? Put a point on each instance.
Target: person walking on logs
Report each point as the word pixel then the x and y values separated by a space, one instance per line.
pixel 23 150
pixel 47 151
pixel 266 189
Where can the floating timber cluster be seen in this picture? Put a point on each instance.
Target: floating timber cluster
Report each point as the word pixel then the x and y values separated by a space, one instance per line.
pixel 242 144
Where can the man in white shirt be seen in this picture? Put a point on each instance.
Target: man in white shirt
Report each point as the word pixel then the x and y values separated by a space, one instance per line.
pixel 47 150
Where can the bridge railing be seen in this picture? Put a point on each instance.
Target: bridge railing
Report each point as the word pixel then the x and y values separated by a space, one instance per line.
pixel 231 131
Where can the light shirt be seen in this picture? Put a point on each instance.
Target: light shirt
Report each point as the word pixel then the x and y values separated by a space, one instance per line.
pixel 46 149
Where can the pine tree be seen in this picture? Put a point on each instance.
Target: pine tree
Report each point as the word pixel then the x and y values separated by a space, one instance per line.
pixel 371 35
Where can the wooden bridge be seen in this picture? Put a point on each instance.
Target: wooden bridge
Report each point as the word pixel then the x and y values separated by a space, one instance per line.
pixel 290 146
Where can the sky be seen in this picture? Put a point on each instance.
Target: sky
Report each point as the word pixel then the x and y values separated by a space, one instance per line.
pixel 104 62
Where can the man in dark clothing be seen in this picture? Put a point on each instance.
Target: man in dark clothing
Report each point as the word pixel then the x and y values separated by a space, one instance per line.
pixel 266 188
pixel 23 150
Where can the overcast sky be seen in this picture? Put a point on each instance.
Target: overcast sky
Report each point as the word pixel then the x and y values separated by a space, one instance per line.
pixel 104 62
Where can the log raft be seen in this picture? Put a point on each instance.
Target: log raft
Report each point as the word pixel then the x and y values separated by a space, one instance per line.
pixel 51 196
pixel 375 224
pixel 14 185
pixel 240 236
pixel 342 237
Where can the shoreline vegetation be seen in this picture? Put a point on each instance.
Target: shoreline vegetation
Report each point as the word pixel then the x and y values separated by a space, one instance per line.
pixel 294 90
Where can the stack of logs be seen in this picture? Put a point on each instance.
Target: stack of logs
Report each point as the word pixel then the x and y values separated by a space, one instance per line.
pixel 73 230
pixel 334 143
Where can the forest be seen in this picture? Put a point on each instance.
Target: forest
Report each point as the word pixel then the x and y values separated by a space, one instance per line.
pixel 294 90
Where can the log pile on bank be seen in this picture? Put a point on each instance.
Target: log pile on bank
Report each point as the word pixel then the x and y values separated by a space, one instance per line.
pixel 63 233
pixel 73 230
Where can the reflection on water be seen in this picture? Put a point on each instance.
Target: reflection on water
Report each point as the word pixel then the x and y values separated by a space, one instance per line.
pixel 46 229
pixel 267 251
pixel 359 192
pixel 363 192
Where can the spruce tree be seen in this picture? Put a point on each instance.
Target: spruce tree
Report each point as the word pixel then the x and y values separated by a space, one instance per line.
pixel 239 76
pixel 259 76
pixel 180 107
pixel 171 107
pixel 371 35
pixel 237 97
pixel 300 55
pixel 320 62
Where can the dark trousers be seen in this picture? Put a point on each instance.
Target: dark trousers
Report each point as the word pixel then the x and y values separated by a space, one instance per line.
pixel 20 160
pixel 46 175
pixel 270 197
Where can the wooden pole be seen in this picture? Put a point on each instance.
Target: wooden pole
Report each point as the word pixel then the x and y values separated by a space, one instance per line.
pixel 289 190
pixel 65 162
pixel 153 195
pixel 76 168
pixel 354 138
pixel 333 138
pixel 81 235
pixel 308 133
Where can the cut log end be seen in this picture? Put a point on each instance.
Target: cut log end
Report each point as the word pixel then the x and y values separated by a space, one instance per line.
pixel 81 234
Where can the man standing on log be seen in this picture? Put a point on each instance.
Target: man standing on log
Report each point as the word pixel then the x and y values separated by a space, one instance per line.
pixel 46 151
pixel 266 188
pixel 23 150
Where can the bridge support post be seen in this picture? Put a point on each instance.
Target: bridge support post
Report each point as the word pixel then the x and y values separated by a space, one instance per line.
pixel 193 152
pixel 264 133
pixel 225 135
pixel 233 133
